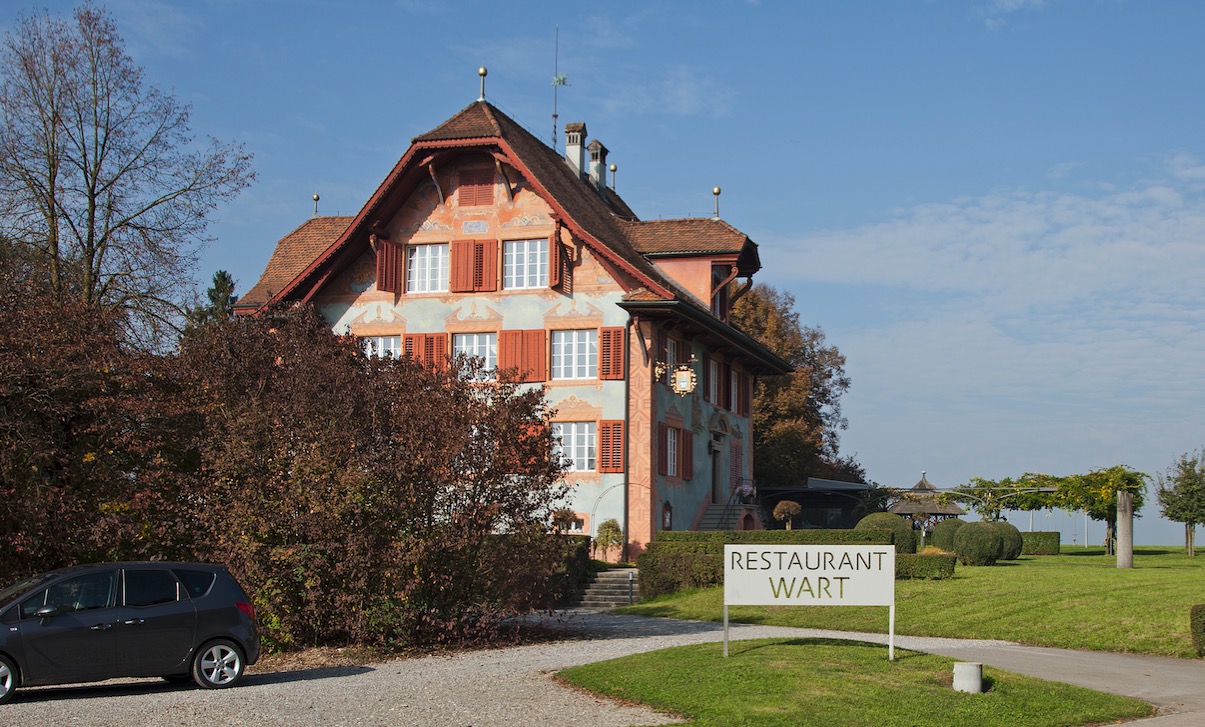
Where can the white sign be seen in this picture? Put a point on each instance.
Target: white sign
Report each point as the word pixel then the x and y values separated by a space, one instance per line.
pixel 810 575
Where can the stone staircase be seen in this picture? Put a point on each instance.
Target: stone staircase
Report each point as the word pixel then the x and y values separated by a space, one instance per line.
pixel 609 589
pixel 713 518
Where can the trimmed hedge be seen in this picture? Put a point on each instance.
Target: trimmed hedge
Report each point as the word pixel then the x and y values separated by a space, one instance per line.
pixel 928 567
pixel 978 544
pixel 1012 539
pixel 574 573
pixel 692 559
pixel 943 533
pixel 1041 543
pixel 905 537
pixel 1196 624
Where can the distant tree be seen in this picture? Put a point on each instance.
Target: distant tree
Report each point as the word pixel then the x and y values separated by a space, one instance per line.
pixel 101 179
pixel 796 417
pixel 1181 494
pixel 369 499
pixel 1096 494
pixel 219 305
pixel 608 536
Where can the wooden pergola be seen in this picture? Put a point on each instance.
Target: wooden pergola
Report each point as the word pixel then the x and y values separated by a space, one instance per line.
pixel 922 506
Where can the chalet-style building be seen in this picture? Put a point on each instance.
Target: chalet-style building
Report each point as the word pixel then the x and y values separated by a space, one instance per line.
pixel 485 241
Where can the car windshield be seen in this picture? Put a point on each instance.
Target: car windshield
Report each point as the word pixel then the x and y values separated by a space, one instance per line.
pixel 25 585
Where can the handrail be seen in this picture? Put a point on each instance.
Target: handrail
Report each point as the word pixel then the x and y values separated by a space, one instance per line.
pixel 734 497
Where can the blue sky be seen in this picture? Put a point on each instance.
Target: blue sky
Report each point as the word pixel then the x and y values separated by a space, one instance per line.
pixel 994 208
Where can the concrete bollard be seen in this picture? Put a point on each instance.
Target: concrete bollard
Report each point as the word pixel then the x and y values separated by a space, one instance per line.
pixel 968 677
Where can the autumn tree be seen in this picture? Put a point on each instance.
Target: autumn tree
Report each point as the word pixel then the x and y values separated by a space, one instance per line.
pixel 370 499
pixel 797 416
pixel 93 441
pixel 1096 494
pixel 1181 495
pixel 101 178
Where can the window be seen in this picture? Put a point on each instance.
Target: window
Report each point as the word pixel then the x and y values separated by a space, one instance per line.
pixel 734 388
pixel 715 381
pixel 476 187
pixel 480 345
pixel 675 455
pixel 149 587
pixel 196 582
pixel 82 593
pixel 574 442
pixel 525 264
pixel 671 359
pixel 575 354
pixel 427 268
pixel 383 346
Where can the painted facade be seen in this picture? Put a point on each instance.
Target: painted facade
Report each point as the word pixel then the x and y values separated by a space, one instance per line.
pixel 484 241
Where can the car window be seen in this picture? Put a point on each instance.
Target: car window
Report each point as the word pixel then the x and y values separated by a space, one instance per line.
pixel 148 587
pixel 25 584
pixel 196 582
pixel 81 593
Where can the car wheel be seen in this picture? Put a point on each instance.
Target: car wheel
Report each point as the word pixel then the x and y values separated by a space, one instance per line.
pixel 8 679
pixel 218 664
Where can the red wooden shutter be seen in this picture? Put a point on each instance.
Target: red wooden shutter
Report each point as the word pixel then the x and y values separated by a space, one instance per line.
pixel 744 395
pixel 736 464
pixel 686 454
pixel 726 392
pixel 611 355
pixel 390 267
pixel 554 262
pixel 707 380
pixel 525 351
pixel 485 265
pixel 610 446
pixel 662 449
pixel 429 349
pixel 476 187
pixel 460 277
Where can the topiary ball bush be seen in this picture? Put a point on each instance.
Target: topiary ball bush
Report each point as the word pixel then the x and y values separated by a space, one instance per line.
pixel 978 544
pixel 1012 540
pixel 943 533
pixel 905 539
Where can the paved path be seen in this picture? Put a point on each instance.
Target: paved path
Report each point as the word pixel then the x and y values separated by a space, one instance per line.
pixel 1175 686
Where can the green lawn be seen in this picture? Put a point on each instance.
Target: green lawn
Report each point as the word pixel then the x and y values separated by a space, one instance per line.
pixel 1078 600
pixel 827 682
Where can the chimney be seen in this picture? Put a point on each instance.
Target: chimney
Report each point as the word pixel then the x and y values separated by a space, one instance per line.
pixel 575 146
pixel 598 164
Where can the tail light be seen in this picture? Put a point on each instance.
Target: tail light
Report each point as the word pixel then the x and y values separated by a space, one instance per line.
pixel 246 608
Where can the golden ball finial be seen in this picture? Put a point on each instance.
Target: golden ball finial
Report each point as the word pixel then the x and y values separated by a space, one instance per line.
pixel 482 72
pixel 715 191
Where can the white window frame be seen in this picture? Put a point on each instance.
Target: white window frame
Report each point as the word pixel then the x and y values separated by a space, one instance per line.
pixel 383 346
pixel 480 345
pixel 714 385
pixel 671 359
pixel 575 354
pixel 427 268
pixel 525 264
pixel 577 444
pixel 672 435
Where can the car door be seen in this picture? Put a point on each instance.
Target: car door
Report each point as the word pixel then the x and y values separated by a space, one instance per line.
pixel 75 642
pixel 156 624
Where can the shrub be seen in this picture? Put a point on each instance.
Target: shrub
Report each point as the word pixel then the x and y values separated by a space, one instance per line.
pixel 930 566
pixel 943 533
pixel 1012 539
pixel 786 510
pixel 1043 543
pixel 904 537
pixel 1196 624
pixel 608 537
pixel 978 544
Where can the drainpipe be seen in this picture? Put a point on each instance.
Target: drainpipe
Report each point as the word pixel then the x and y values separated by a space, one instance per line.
pixel 627 429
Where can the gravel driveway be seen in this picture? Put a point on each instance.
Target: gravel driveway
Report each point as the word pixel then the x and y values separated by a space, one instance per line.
pixel 509 687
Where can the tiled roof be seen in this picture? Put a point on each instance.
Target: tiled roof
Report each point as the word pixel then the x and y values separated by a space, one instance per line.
pixel 293 253
pixel 686 236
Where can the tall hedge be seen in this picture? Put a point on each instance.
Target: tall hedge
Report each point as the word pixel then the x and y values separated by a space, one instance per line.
pixel 905 537
pixel 928 566
pixel 978 544
pixel 943 533
pixel 1040 543
pixel 1196 624
pixel 695 559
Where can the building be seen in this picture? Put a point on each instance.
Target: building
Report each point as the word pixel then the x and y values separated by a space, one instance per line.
pixel 484 241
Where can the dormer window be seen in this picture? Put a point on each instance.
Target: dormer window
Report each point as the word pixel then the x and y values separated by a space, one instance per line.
pixel 719 291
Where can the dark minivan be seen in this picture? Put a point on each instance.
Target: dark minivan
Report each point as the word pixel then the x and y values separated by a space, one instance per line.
pixel 179 621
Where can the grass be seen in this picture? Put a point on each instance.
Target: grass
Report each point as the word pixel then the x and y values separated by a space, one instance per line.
pixel 1077 600
pixel 828 682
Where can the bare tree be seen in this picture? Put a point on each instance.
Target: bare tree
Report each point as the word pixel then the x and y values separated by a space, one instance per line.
pixel 101 178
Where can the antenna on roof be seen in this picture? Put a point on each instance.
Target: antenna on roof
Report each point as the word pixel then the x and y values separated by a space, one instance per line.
pixel 315 204
pixel 716 192
pixel 483 73
pixel 558 80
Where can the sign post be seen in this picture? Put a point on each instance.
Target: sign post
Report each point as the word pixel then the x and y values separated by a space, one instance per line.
pixel 810 575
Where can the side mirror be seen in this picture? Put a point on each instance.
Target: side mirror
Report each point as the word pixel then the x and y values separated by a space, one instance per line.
pixel 47 611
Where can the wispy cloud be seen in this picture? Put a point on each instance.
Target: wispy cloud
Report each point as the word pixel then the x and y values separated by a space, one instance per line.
pixel 156 29
pixel 995 12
